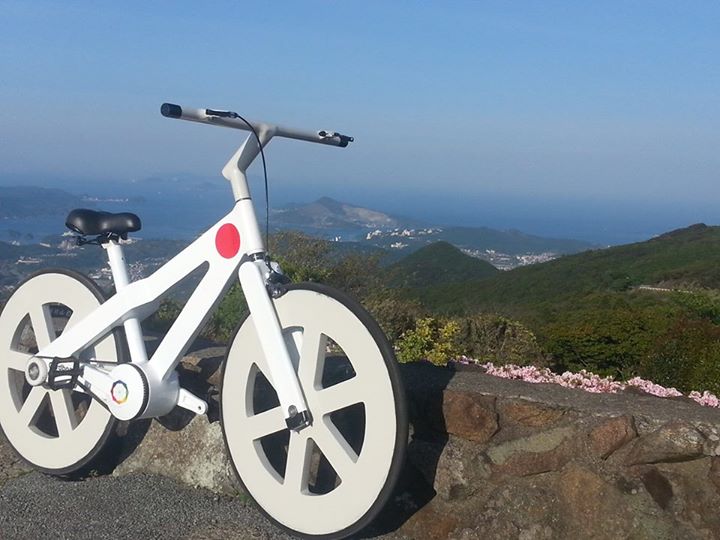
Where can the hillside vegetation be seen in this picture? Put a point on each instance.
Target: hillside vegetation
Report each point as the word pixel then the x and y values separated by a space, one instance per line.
pixel 650 308
pixel 684 259
pixel 438 263
pixel 589 311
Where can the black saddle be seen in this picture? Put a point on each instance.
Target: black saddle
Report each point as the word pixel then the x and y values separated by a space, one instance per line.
pixel 91 222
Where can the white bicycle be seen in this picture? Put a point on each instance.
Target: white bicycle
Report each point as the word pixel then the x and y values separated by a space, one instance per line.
pixel 312 406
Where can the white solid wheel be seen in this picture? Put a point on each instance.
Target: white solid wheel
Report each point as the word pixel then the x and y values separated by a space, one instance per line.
pixel 332 478
pixel 56 431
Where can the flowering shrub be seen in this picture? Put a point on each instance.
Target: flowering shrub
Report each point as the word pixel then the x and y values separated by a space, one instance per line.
pixel 431 339
pixel 587 381
pixel 441 339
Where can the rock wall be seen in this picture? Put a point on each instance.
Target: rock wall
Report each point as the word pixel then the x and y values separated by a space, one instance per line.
pixel 492 458
pixel 508 459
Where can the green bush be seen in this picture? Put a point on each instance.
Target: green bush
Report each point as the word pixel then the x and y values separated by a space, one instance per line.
pixel 499 340
pixel 703 304
pixel 611 341
pixel 431 339
pixel 395 314
pixel 302 258
pixel 687 357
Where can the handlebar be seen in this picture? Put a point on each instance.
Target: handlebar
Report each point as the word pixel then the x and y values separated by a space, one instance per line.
pixel 233 120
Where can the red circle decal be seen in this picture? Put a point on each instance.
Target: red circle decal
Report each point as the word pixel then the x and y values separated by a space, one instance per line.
pixel 227 241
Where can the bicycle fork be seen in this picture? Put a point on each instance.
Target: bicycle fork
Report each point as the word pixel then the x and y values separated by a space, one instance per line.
pixel 281 370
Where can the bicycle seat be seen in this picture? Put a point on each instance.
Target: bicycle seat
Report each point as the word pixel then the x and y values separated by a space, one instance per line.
pixel 92 222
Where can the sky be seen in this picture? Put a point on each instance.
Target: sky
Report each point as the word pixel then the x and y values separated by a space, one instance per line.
pixel 535 114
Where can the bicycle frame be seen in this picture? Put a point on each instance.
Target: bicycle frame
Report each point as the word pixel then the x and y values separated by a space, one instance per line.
pixel 233 244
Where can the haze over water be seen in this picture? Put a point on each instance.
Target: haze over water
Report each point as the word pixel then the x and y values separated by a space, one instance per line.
pixel 184 212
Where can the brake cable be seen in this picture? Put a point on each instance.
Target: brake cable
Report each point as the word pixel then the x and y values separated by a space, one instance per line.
pixel 231 114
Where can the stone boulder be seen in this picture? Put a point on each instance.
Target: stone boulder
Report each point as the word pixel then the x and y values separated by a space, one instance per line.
pixel 194 454
pixel 183 446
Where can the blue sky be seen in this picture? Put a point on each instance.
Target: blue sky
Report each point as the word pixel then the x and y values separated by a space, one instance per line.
pixel 601 102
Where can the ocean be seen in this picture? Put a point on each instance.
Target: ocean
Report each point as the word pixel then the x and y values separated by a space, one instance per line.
pixel 182 210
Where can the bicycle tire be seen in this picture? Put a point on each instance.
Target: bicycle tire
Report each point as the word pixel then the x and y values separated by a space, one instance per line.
pixel 394 450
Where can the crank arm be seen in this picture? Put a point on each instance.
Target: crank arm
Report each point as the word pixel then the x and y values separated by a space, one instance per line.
pixel 125 391
pixel 191 402
pixel 96 382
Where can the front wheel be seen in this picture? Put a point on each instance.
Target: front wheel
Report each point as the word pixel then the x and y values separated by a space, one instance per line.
pixel 332 478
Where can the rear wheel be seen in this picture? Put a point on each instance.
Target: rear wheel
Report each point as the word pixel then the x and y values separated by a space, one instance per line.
pixel 332 478
pixel 57 431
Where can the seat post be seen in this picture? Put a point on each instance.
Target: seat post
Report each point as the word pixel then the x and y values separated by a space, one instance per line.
pixel 133 330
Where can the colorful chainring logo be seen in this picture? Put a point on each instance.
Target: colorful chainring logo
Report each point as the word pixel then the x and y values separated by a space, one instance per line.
pixel 119 392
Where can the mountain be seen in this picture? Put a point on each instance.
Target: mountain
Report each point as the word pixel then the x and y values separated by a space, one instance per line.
pixel 512 241
pixel 31 201
pixel 504 249
pixel 438 263
pixel 329 214
pixel 686 258
pixel 332 219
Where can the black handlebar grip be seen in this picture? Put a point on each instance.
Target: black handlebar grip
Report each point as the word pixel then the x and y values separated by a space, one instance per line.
pixel 344 140
pixel 171 110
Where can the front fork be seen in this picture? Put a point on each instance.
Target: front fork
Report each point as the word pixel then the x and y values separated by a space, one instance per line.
pixel 253 279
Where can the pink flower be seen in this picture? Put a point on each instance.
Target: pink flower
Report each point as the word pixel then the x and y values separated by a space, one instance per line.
pixel 590 382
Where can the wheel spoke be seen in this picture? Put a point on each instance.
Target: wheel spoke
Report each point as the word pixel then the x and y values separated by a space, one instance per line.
pixel 265 423
pixel 31 408
pixel 312 357
pixel 17 360
pixel 298 463
pixel 335 448
pixel 43 326
pixel 341 395
pixel 64 411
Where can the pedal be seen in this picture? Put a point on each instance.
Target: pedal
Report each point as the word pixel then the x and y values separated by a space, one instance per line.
pixel 63 373
pixel 192 403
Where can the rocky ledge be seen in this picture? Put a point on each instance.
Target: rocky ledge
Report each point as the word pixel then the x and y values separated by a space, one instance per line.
pixel 510 459
pixel 494 458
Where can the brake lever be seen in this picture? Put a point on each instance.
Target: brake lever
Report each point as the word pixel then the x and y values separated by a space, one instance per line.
pixel 221 114
pixel 344 139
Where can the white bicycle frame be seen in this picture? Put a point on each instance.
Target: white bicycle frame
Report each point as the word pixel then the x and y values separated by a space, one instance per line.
pixel 134 301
